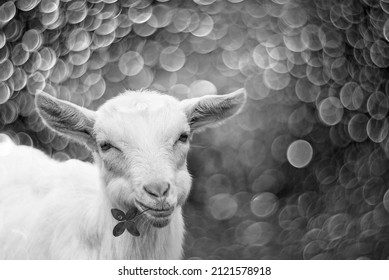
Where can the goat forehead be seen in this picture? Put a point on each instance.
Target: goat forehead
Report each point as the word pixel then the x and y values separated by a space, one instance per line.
pixel 135 118
pixel 157 123
pixel 139 101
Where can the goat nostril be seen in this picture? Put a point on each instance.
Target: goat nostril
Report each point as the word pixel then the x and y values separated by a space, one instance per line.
pixel 150 192
pixel 167 190
pixel 157 190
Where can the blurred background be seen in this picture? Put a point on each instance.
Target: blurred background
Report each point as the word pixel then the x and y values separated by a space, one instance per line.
pixel 301 173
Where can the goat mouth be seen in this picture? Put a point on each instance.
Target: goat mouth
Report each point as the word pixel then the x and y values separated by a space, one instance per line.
pixel 159 213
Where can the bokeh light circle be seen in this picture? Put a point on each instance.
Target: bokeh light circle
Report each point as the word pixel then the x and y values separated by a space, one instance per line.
pixel 5 92
pixel 299 153
pixel 131 63
pixel 7 12
pixel 331 111
pixel 222 206
pixel 172 59
pixel 377 130
pixel 378 105
pixel 351 96
pixel 202 87
pixel 357 127
pixel 264 204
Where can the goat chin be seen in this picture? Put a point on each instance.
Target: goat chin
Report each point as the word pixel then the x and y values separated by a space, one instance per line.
pixel 160 222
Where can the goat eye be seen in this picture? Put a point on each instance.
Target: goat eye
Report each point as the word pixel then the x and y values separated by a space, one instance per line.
pixel 105 146
pixel 183 137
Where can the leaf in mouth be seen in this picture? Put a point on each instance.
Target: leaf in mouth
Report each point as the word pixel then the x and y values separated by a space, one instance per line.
pixel 119 229
pixel 118 214
pixel 131 227
pixel 126 221
pixel 132 213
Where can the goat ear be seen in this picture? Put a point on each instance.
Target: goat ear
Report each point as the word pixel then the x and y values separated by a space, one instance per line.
pixel 67 118
pixel 209 110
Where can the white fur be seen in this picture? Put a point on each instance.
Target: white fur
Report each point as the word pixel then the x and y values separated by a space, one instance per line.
pixel 61 210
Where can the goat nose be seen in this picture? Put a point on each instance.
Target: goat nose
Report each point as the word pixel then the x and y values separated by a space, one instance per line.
pixel 157 189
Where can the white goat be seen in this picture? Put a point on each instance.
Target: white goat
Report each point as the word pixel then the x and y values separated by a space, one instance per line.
pixel 139 141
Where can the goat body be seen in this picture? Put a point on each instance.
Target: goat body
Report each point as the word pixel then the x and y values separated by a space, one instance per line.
pixel 62 210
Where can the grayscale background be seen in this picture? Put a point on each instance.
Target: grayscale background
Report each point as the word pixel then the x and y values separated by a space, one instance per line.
pixel 301 173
